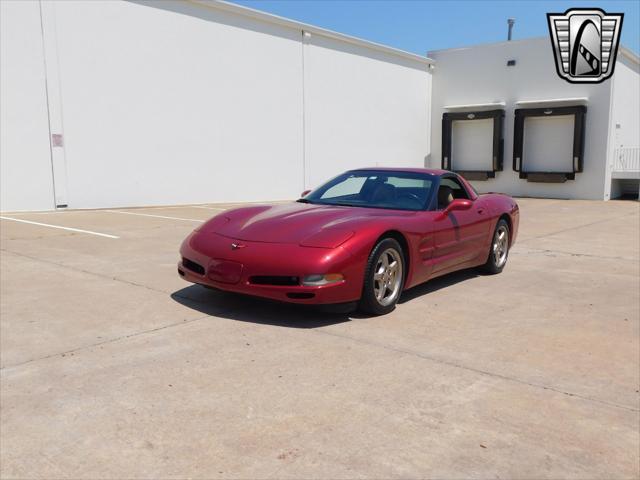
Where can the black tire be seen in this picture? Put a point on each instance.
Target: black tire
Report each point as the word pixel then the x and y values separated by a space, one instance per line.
pixel 497 260
pixel 369 302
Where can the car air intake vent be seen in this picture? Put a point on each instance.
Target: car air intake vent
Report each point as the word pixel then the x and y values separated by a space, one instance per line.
pixel 193 266
pixel 274 280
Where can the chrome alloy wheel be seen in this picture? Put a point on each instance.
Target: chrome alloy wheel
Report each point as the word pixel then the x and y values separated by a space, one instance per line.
pixel 500 246
pixel 387 277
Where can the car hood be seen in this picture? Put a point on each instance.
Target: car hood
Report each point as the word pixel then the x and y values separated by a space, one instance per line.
pixel 296 222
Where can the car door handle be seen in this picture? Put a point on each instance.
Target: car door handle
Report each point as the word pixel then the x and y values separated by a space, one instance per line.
pixel 480 211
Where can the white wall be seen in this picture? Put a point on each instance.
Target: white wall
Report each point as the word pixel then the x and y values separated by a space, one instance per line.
pixel 624 133
pixel 25 161
pixel 172 102
pixel 479 75
pixel 626 104
pixel 362 108
pixel 181 102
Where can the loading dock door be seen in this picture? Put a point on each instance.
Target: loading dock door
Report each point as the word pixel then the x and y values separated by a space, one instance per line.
pixel 472 143
pixel 548 143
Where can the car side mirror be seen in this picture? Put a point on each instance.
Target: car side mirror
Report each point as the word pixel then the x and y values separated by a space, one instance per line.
pixel 304 194
pixel 456 205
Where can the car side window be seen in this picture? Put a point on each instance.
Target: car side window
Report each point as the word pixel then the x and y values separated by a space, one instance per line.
pixel 457 190
pixel 450 189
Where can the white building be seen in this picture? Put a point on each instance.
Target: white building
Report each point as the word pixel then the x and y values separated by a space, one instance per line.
pixel 189 102
pixel 116 103
pixel 521 76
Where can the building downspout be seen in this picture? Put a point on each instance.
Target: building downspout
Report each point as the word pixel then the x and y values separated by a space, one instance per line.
pixel 305 154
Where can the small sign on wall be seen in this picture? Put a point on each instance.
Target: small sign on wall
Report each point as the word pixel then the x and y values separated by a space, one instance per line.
pixel 56 140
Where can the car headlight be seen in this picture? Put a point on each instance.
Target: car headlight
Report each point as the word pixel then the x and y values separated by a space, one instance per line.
pixel 317 280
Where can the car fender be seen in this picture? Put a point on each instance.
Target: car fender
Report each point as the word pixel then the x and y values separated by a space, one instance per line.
pixel 501 204
pixel 367 235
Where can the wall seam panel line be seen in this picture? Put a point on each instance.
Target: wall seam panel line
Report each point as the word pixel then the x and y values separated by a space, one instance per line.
pixel 46 92
pixel 60 102
pixel 55 103
pixel 304 114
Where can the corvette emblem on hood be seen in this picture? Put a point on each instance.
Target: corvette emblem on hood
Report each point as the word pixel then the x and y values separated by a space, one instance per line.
pixel 237 246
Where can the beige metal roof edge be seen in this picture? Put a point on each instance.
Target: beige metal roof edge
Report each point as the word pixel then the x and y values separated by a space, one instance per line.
pixel 551 101
pixel 267 17
pixel 475 105
pixel 629 54
pixel 623 50
pixel 488 44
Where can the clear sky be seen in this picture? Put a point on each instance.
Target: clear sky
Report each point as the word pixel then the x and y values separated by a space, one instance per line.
pixel 419 26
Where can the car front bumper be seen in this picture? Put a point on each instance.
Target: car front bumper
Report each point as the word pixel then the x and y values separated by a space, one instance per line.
pixel 209 259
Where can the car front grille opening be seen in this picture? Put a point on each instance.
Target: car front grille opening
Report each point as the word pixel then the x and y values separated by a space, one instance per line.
pixel 279 280
pixel 193 266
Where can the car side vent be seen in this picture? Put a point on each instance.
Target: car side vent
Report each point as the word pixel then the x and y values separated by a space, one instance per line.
pixel 193 266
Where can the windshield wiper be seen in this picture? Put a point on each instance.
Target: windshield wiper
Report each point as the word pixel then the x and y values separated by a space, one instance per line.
pixel 303 200
pixel 340 204
pixel 356 205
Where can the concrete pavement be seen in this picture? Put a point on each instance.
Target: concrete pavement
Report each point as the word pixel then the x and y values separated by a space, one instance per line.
pixel 113 367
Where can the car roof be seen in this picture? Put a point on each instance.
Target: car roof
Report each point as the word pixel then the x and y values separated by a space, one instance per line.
pixel 428 171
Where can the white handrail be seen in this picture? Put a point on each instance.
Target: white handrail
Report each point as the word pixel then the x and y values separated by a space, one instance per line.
pixel 626 159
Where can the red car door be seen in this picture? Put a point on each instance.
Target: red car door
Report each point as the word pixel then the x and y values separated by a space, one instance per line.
pixel 461 236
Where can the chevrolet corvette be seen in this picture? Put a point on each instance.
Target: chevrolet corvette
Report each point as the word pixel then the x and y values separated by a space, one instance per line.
pixel 362 238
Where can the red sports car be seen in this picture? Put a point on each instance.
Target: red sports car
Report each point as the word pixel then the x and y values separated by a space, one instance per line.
pixel 363 237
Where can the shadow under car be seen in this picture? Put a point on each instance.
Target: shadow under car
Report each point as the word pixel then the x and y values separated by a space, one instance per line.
pixel 245 308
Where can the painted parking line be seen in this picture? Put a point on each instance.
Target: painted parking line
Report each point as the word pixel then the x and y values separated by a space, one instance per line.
pixel 155 216
pixel 208 208
pixel 48 212
pixel 70 229
pixel 163 207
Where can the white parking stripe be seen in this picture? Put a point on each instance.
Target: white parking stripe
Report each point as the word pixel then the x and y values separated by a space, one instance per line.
pixel 51 212
pixel 161 207
pixel 60 227
pixel 208 208
pixel 155 216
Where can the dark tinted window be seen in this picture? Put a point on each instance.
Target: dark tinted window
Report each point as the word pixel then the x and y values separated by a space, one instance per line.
pixel 450 188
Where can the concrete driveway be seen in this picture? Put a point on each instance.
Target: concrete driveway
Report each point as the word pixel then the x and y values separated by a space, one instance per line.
pixel 113 367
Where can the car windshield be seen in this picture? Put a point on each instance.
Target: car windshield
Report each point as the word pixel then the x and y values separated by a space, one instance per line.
pixel 375 189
